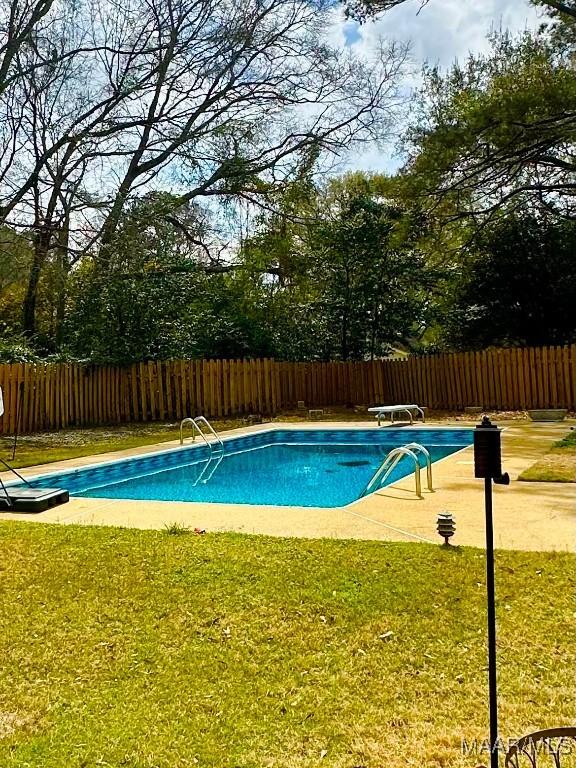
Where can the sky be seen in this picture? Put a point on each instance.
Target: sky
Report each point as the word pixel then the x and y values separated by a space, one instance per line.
pixel 442 32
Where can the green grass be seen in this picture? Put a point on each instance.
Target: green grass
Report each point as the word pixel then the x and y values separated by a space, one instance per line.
pixel 138 648
pixel 556 466
pixel 569 441
pixel 70 444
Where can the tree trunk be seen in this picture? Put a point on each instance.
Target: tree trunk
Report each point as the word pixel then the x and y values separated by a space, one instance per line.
pixel 41 247
pixel 344 351
pixel 344 339
pixel 64 268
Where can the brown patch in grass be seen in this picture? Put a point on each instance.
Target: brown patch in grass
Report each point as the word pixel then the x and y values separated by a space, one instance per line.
pixel 557 466
pixel 11 722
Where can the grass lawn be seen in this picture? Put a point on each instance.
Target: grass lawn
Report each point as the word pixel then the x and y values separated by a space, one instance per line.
pixel 558 465
pixel 139 648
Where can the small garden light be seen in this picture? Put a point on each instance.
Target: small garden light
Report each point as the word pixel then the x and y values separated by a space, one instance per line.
pixel 446 526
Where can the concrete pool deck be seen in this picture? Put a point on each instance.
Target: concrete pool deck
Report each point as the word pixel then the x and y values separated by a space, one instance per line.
pixel 527 516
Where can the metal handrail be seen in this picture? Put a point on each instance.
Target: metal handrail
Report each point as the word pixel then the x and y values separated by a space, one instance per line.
pixel 389 464
pixel 215 435
pixel 196 426
pixel 391 460
pixel 416 447
pixel 190 420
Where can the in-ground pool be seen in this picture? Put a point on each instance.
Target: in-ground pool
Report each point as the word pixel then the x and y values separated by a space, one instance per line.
pixel 285 467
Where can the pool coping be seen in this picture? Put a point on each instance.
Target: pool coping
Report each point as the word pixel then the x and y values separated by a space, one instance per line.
pixel 529 516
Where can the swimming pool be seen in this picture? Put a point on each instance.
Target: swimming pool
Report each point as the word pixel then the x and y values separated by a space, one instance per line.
pixel 281 467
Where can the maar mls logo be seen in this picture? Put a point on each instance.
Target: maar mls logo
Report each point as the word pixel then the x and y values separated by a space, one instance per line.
pixel 532 748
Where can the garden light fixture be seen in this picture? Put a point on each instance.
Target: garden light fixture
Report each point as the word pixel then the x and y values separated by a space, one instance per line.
pixel 446 526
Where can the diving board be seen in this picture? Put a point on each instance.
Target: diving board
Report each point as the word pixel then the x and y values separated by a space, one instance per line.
pixel 383 410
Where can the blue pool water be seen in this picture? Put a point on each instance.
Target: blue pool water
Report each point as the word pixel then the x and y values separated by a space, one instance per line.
pixel 319 468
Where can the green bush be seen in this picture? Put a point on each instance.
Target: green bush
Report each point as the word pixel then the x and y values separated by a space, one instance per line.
pixel 17 349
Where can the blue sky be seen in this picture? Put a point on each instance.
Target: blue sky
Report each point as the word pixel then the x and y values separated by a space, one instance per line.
pixel 443 31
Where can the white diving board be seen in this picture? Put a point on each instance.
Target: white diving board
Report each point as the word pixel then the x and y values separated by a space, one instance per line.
pixel 383 410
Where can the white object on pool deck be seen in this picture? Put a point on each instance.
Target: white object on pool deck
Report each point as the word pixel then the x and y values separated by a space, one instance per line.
pixel 382 410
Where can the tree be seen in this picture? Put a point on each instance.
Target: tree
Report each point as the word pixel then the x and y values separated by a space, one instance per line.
pixel 517 286
pixel 265 89
pixel 15 256
pixel 211 100
pixel 63 101
pixel 363 9
pixel 500 131
pixel 373 277
pixel 21 24
pixel 138 309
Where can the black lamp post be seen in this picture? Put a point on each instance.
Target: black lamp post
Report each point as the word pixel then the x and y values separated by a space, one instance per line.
pixel 488 465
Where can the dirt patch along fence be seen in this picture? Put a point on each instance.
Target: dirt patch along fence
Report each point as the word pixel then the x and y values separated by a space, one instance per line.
pixel 43 397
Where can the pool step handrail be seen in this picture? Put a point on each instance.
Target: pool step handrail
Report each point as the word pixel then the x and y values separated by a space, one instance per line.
pixel 196 426
pixel 418 448
pixel 387 467
pixel 392 460
pixel 215 435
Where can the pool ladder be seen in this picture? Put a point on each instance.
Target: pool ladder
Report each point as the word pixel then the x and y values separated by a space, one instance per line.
pixel 196 426
pixel 217 454
pixel 391 462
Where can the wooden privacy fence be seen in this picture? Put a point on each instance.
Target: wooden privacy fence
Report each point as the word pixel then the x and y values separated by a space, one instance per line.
pixel 43 396
pixel 505 379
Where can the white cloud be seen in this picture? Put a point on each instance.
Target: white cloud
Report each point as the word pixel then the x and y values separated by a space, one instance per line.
pixel 443 31
pixel 446 30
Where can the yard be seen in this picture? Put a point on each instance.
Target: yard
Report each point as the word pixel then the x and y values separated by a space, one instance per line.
pixel 141 648
pixel 263 213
